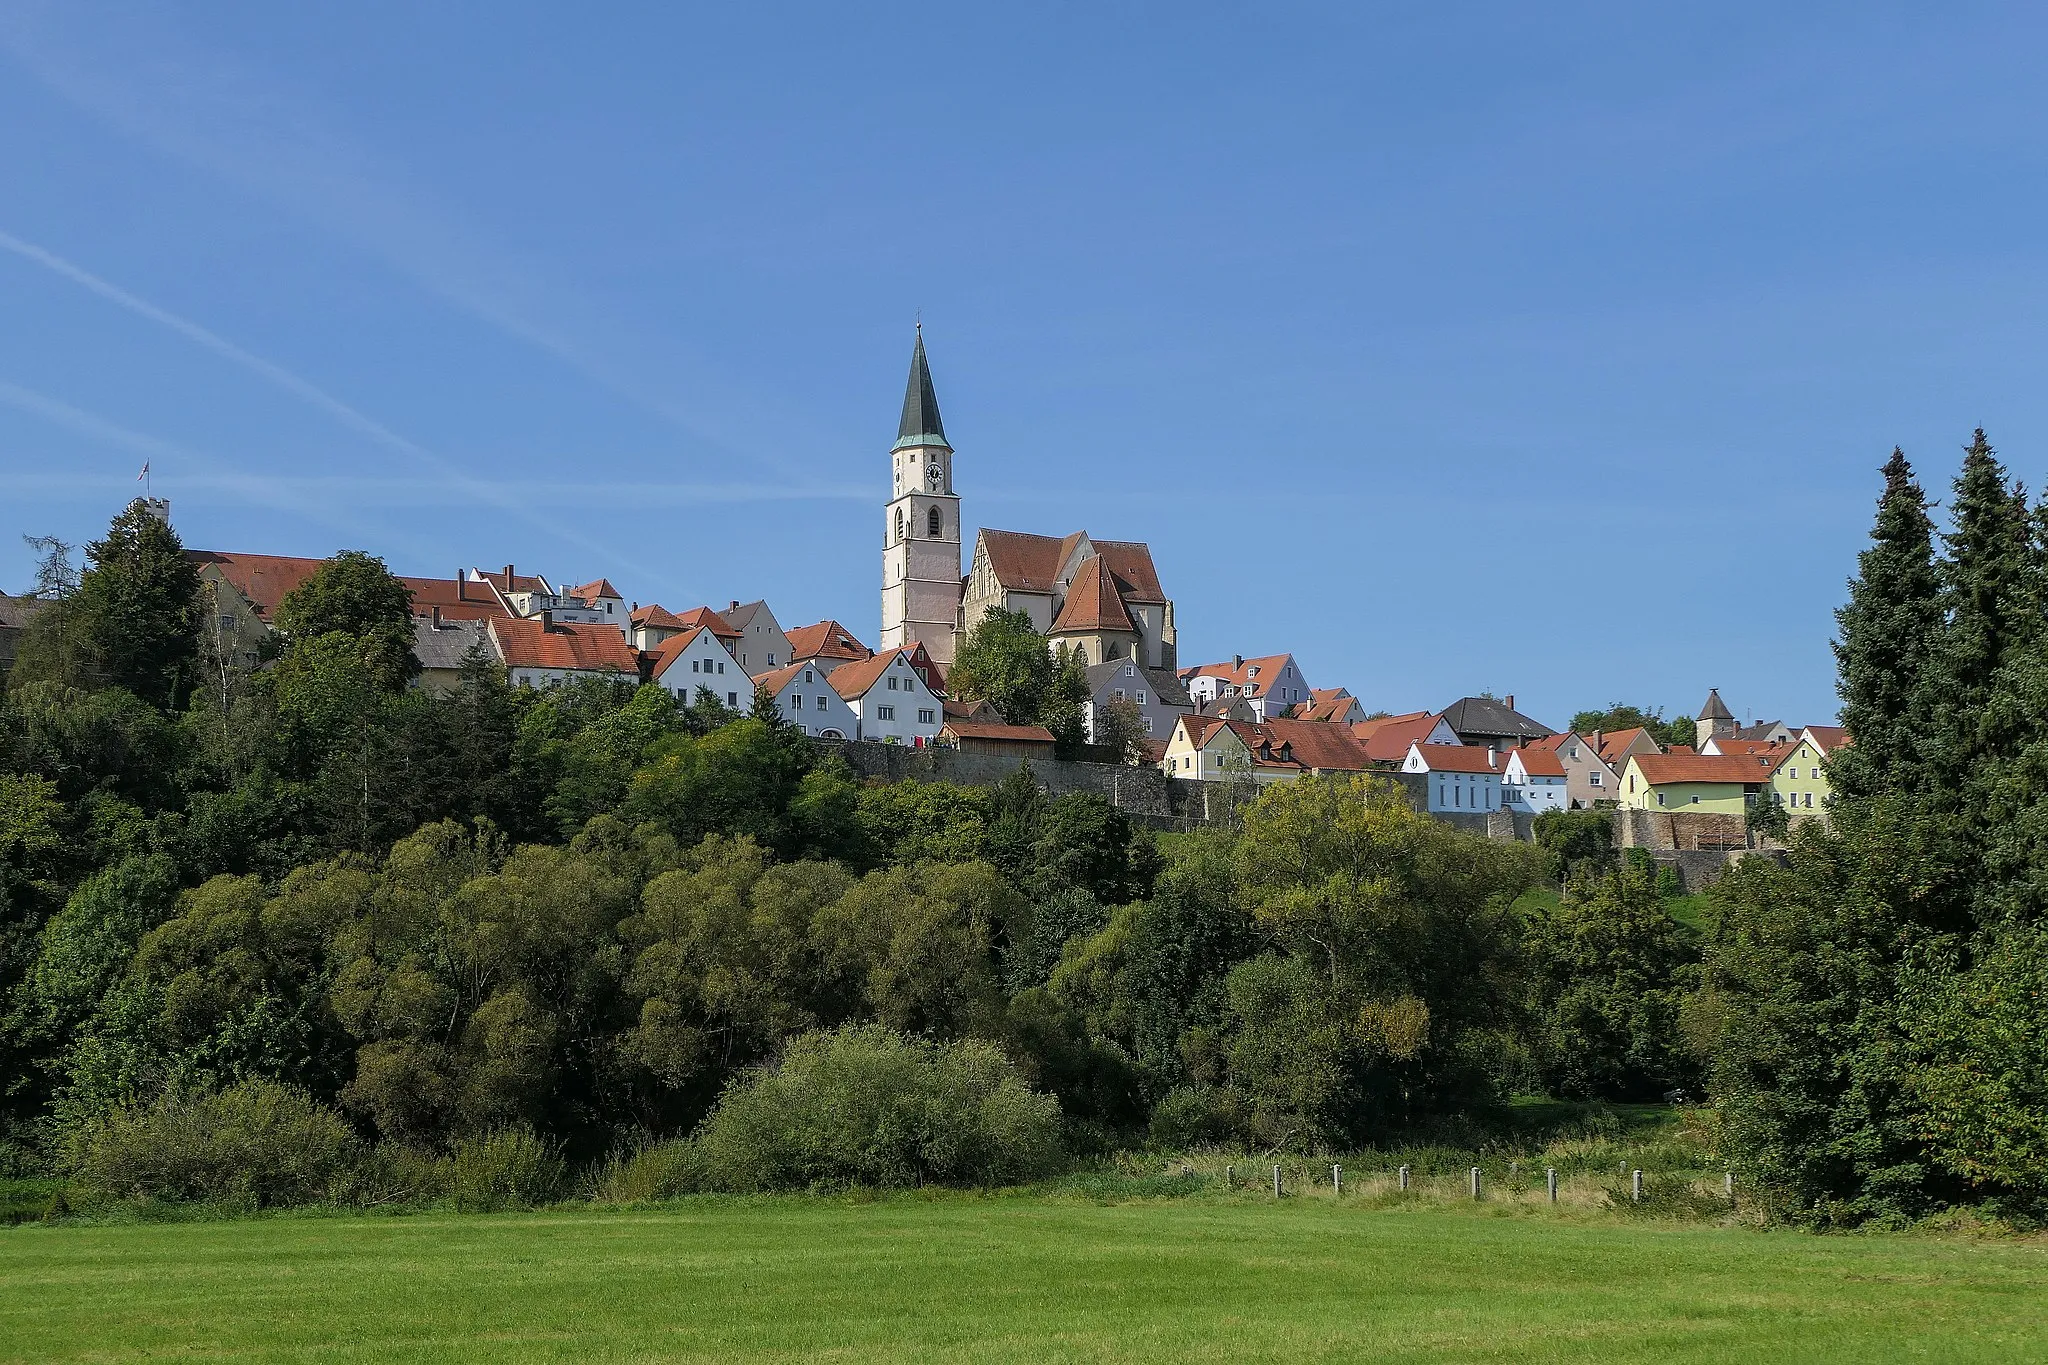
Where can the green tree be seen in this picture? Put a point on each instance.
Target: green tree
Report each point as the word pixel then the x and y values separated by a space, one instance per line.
pixel 1120 728
pixel 136 609
pixel 353 594
pixel 1005 662
pixel 1620 716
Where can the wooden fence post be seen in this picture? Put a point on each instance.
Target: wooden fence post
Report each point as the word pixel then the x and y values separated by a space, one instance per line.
pixel 1550 1178
pixel 1475 1182
pixel 1276 1182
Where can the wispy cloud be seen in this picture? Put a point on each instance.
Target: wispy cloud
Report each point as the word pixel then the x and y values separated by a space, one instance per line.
pixel 208 109
pixel 478 491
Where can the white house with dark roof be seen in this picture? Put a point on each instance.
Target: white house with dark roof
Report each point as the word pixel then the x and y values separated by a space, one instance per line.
pixel 1158 695
pixel 698 658
pixel 1463 779
pixel 810 702
pixel 891 699
pixel 1491 721
pixel 1269 684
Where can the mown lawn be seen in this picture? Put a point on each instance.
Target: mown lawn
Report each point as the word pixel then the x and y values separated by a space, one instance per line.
pixel 1010 1279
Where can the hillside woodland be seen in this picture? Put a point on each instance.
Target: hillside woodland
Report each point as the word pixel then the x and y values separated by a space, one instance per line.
pixel 290 931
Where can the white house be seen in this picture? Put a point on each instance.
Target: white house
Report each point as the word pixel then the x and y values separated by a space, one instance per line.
pixel 1268 685
pixel 1463 778
pixel 891 699
pixel 762 646
pixel 602 599
pixel 697 658
pixel 808 701
pixel 1534 781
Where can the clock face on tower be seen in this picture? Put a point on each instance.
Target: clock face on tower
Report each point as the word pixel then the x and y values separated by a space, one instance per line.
pixel 932 475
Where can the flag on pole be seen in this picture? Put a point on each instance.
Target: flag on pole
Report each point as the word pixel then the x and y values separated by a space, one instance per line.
pixel 144 475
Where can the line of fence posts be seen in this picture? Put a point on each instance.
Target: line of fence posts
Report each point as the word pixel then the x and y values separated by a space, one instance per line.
pixel 1404 1181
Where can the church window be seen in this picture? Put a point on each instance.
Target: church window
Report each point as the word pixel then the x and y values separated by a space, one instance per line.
pixel 899 523
pixel 936 523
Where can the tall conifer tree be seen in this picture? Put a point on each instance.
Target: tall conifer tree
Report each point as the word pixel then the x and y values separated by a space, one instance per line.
pixel 1887 632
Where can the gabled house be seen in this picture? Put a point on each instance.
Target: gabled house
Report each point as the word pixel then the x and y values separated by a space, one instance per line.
pixel 1185 757
pixel 827 644
pixel 698 658
pixel 1589 780
pixel 1463 779
pixel 653 624
pixel 600 598
pixel 809 702
pixel 762 646
pixel 1488 722
pixel 1158 695
pixel 443 646
pixel 1710 784
pixel 1387 739
pixel 1332 704
pixel 1617 747
pixel 543 652
pixel 710 620
pixel 1533 780
pixel 1269 685
pixel 890 697
pixel 1799 783
pixel 1770 732
pixel 1210 749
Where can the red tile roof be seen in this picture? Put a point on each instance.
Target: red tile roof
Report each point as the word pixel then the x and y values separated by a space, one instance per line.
pixel 524 643
pixel 1092 601
pixel 590 592
pixel 266 580
pixel 826 640
pixel 1387 739
pixel 1197 727
pixel 711 621
pixel 1240 672
pixel 657 617
pixel 1613 746
pixel 505 580
pixel 1744 747
pixel 852 680
pixel 1537 762
pixel 978 729
pixel 1459 758
pixel 1028 563
pixel 1659 769
pixel 777 679
pixel 1828 737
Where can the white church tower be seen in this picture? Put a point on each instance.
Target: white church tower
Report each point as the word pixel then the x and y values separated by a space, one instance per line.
pixel 921 545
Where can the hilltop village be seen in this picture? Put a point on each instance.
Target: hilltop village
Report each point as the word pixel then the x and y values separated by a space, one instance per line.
pixel 1099 606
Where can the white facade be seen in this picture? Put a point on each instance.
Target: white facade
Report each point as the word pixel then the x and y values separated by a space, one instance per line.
pixel 697 659
pixel 762 647
pixel 1522 790
pixel 1458 784
pixel 1268 685
pixel 895 707
pixel 808 701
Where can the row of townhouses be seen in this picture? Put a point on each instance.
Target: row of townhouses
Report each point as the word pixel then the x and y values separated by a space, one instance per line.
pixel 1255 719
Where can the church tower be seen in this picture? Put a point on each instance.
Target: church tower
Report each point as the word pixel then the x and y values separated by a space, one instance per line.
pixel 921 529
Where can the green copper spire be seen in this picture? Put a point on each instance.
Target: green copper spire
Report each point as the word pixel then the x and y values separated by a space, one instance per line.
pixel 920 425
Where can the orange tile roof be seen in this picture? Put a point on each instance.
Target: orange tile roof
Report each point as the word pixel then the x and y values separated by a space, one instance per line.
pixel 1744 747
pixel 657 617
pixel 826 640
pixel 1535 761
pixel 1612 745
pixel 1028 563
pixel 979 729
pixel 1387 739
pixel 1458 758
pixel 590 592
pixel 777 679
pixel 1659 769
pixel 711 621
pixel 852 680
pixel 266 580
pixel 1198 726
pixel 1092 601
pixel 524 643
pixel 1240 673
pixel 505 580
pixel 1828 737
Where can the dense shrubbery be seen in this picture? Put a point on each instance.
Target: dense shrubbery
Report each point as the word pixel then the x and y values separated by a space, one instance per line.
pixel 471 943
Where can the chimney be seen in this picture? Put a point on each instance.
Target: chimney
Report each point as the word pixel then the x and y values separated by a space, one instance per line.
pixel 508 578
pixel 547 619
pixel 1237 661
pixel 461 590
pixel 735 605
pixel 437 616
pixel 1493 755
pixel 1509 699
pixel 1596 743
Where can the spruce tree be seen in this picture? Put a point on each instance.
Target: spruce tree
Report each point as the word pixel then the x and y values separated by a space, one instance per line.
pixel 138 603
pixel 1887 632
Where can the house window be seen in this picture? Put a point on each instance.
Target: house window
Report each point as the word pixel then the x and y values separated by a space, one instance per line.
pixel 821 702
pixel 732 699
pixel 1695 798
pixel 693 666
pixel 924 717
pixel 1595 778
pixel 1117 693
pixel 885 713
pixel 892 683
pixel 808 677
pixel 1660 797
pixel 771 658
pixel 1140 697
pixel 721 665
pixel 797 702
pixel 1130 670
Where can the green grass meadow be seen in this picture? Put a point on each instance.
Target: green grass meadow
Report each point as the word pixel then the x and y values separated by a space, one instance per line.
pixel 1012 1278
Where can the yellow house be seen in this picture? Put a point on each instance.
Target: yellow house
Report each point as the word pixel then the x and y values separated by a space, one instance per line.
pixel 1800 783
pixel 1709 784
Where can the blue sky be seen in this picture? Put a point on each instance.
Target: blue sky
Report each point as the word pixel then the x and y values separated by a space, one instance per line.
pixel 1548 351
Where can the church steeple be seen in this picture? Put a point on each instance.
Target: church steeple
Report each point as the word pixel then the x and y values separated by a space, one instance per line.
pixel 920 425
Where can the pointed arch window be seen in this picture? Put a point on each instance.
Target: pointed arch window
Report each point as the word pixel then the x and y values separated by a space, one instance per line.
pixel 936 523
pixel 899 523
